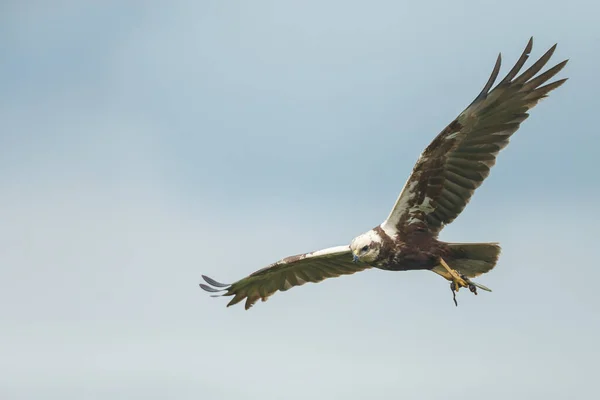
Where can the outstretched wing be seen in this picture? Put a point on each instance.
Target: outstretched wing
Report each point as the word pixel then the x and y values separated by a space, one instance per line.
pixel 461 156
pixel 287 273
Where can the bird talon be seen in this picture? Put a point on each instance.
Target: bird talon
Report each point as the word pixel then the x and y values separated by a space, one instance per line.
pixel 470 285
pixel 473 289
pixel 458 279
pixel 461 281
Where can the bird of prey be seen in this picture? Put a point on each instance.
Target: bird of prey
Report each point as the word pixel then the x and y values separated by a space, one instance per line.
pixel 442 182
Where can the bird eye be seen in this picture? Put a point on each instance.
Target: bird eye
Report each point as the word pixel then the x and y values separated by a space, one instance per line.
pixel 365 248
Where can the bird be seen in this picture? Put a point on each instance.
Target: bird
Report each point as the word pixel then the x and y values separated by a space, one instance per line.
pixel 442 182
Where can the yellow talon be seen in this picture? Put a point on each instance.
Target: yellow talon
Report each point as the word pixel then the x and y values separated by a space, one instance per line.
pixel 458 281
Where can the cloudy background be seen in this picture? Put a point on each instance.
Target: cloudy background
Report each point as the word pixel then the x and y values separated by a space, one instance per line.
pixel 143 144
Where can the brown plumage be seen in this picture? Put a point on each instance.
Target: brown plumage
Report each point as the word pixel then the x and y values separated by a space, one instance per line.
pixel 442 182
pixel 461 156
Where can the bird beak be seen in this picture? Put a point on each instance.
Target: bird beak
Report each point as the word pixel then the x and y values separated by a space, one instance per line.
pixel 354 258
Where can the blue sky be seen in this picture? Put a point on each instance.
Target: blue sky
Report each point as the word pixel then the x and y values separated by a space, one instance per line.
pixel 146 143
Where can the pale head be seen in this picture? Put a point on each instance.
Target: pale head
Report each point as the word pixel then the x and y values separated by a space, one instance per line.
pixel 366 247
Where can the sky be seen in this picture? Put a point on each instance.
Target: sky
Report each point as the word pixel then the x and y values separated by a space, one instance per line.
pixel 143 144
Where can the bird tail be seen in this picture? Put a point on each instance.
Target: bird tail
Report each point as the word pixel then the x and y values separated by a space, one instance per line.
pixel 471 259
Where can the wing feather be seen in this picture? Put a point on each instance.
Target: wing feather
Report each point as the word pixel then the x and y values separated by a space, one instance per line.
pixel 459 159
pixel 288 273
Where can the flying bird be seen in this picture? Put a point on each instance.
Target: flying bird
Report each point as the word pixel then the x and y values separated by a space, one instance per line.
pixel 442 182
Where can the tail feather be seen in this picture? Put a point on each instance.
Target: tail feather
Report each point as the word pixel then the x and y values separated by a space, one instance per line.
pixel 471 259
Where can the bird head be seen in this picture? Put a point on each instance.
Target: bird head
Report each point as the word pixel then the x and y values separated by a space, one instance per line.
pixel 366 247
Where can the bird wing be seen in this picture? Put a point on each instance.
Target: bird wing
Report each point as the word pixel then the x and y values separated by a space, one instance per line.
pixel 457 161
pixel 287 273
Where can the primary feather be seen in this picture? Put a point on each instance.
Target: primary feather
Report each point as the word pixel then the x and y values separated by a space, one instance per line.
pixel 458 160
pixel 287 273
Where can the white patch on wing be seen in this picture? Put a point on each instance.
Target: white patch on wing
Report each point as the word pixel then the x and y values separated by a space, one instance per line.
pixel 406 195
pixel 452 135
pixel 319 253
pixel 389 229
pixel 426 206
pixel 330 250
pixel 413 220
pixel 302 257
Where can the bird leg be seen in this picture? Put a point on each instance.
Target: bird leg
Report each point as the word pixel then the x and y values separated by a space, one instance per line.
pixel 457 280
